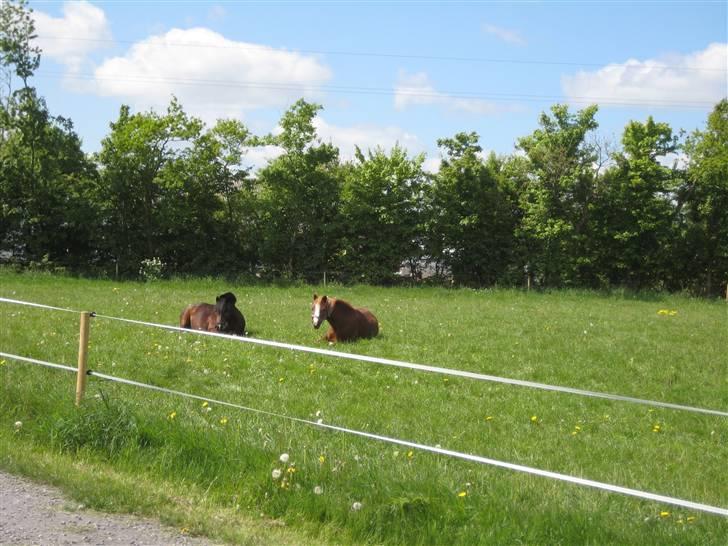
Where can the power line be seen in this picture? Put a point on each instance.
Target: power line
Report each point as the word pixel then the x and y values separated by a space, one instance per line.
pixel 450 58
pixel 411 92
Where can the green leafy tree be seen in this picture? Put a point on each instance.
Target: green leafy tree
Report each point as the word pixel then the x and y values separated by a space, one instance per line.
pixel 636 210
pixel 300 198
pixel 381 215
pixel 208 217
pixel 557 195
pixel 46 216
pixel 471 214
pixel 146 187
pixel 706 203
pixel 18 56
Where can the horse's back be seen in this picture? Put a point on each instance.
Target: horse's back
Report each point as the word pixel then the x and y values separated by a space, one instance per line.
pixel 197 316
pixel 360 323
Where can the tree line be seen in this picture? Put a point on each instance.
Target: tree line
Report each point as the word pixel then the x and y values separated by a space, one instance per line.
pixel 167 195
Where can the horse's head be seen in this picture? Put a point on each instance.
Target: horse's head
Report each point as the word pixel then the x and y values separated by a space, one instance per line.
pixel 224 304
pixel 319 310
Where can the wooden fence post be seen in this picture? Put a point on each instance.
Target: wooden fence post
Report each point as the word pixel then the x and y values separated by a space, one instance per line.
pixel 82 357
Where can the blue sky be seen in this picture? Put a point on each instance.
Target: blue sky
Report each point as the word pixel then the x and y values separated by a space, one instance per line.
pixel 385 72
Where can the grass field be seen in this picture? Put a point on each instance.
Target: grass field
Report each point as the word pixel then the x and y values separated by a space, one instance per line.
pixel 209 469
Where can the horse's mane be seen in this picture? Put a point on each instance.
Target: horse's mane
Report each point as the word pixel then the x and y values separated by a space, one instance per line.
pixel 341 304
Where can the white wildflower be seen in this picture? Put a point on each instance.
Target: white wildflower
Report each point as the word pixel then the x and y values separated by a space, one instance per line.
pixel 356 506
pixel 318 490
pixel 283 458
pixel 276 473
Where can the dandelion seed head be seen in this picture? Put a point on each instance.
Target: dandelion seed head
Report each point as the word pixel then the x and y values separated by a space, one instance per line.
pixel 283 458
pixel 318 490
pixel 356 506
pixel 276 473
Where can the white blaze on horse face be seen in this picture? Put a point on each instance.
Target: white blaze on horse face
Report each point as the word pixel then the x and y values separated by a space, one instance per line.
pixel 316 314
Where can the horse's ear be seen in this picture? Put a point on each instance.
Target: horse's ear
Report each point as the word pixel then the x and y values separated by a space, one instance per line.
pixel 324 299
pixel 314 296
pixel 231 297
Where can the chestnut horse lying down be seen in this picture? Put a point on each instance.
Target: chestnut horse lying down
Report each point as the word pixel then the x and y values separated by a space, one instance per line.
pixel 222 317
pixel 347 323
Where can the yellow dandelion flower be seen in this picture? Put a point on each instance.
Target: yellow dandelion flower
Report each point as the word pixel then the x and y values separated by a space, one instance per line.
pixel 281 379
pixel 322 459
pixel 463 494
pixel 577 428
pixel 224 421
pixel 534 418
pixel 656 428
pixel 664 514
pixel 691 519
pixel 172 415
pixel 205 404
pixel 410 454
pixel 488 417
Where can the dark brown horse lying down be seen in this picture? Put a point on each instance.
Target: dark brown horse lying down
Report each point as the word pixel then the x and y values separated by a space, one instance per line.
pixel 347 323
pixel 222 317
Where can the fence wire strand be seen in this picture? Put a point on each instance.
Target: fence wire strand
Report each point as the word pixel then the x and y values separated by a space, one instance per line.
pixel 406 443
pixel 401 364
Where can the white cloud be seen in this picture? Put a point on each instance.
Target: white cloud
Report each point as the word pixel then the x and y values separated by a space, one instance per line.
pixel 432 164
pixel 504 34
pixel 417 90
pixel 366 137
pixel 691 79
pixel 260 156
pixel 207 71
pixel 68 40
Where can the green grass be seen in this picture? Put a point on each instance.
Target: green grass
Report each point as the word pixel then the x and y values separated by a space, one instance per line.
pixel 209 470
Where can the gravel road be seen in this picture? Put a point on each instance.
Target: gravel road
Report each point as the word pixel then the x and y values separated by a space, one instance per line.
pixel 35 514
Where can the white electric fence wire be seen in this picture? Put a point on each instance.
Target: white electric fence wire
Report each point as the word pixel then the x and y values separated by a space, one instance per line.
pixel 427 368
pixel 39 362
pixel 402 364
pixel 423 447
pixel 38 305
